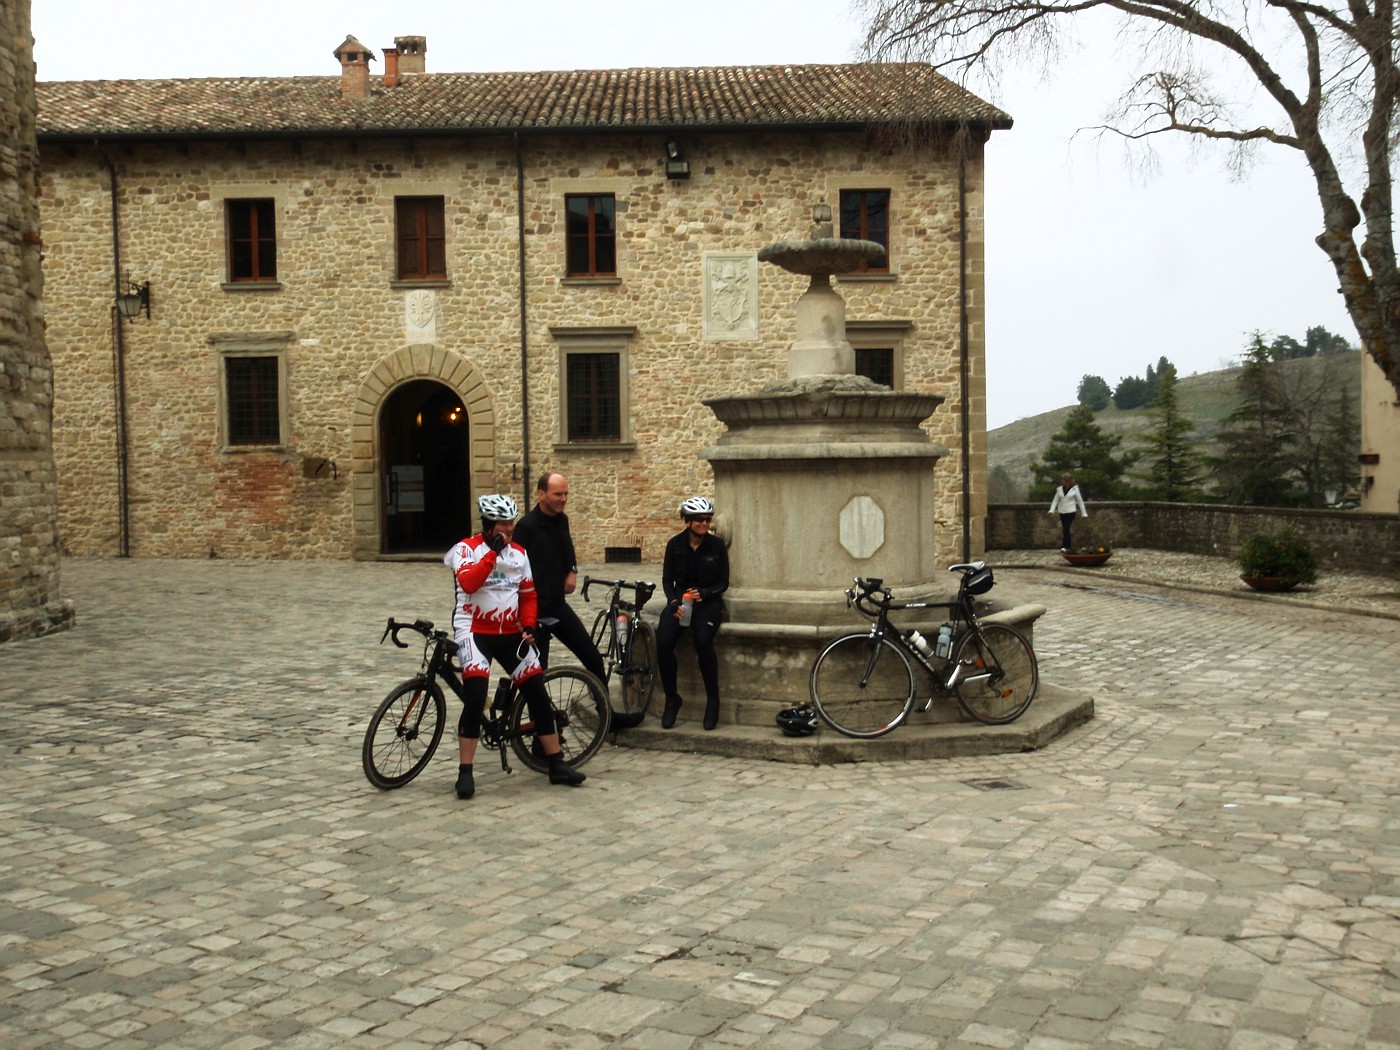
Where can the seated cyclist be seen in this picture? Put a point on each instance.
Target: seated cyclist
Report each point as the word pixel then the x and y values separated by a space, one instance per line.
pixel 495 618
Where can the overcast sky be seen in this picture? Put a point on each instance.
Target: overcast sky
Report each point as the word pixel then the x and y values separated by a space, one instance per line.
pixel 1091 268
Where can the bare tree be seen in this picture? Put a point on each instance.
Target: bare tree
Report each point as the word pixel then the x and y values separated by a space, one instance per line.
pixel 1328 71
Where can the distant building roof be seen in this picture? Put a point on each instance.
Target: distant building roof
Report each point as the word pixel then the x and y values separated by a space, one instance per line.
pixel 713 98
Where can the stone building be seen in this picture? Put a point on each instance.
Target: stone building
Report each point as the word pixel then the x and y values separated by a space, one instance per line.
pixel 1379 467
pixel 362 301
pixel 29 575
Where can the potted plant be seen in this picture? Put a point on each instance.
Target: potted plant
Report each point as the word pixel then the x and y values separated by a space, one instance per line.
pixel 1277 560
pixel 1087 557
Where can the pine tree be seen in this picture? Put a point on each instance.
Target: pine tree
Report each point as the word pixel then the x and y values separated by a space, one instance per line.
pixel 1255 440
pixel 1083 449
pixel 1174 466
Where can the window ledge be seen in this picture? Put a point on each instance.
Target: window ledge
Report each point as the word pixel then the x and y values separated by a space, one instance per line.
pixel 868 278
pixel 584 282
pixel 595 446
pixel 239 450
pixel 251 286
pixel 426 282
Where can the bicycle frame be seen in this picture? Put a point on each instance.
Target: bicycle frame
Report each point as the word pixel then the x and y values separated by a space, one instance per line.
pixel 960 610
pixel 619 647
pixel 438 650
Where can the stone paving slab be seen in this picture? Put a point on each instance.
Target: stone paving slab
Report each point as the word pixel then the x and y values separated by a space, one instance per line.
pixel 190 856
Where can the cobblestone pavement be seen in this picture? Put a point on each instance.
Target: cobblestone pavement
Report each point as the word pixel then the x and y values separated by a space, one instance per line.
pixel 191 857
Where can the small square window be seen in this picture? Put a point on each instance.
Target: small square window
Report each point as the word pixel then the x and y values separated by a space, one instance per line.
pixel 252 239
pixel 253 400
pixel 420 237
pixel 591 235
pixel 865 216
pixel 594 405
pixel 593 408
pixel 877 364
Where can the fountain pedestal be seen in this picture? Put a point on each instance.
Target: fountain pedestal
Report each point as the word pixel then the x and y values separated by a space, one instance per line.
pixel 818 480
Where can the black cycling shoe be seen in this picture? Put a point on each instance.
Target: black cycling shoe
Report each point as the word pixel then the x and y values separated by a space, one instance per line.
pixel 562 773
pixel 673 708
pixel 466 787
pixel 711 713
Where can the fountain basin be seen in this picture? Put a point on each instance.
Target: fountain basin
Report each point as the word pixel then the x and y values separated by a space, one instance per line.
pixel 821 256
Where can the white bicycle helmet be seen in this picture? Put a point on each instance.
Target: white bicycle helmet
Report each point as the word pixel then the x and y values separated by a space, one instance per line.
pixel 696 506
pixel 497 507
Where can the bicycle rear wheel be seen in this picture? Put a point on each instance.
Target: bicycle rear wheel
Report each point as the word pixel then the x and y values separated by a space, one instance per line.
pixel 404 733
pixel 1004 696
pixel 581 717
pixel 639 672
pixel 862 685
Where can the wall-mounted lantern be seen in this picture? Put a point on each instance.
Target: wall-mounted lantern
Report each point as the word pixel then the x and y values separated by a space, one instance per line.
pixel 677 167
pixel 135 300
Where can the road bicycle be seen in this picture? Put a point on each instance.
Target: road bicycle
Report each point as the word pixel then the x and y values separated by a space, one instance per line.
pixel 627 643
pixel 408 726
pixel 862 684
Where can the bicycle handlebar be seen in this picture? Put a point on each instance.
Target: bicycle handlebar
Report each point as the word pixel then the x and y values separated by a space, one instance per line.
pixel 393 627
pixel 642 589
pixel 870 605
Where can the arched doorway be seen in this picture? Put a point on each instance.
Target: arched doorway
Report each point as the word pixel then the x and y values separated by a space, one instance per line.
pixel 426 469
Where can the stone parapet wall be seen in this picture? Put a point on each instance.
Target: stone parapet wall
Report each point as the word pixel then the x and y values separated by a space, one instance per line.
pixel 29 573
pixel 1342 539
pixel 342 321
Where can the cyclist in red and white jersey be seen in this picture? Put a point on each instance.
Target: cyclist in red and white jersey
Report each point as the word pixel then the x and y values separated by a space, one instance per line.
pixel 494 618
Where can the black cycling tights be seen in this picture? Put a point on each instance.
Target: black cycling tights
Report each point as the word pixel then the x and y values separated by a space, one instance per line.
pixel 503 649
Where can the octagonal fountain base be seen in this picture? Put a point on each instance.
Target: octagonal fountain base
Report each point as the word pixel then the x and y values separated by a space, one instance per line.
pixel 819 480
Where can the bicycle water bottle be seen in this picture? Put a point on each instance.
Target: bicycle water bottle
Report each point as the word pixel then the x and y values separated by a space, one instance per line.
pixel 919 642
pixel 623 626
pixel 944 648
pixel 687 607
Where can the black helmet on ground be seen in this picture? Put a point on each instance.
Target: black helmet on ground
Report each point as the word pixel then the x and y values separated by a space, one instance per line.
pixel 798 721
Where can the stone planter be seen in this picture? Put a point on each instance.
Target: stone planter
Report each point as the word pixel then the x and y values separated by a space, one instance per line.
pixel 1086 561
pixel 1269 583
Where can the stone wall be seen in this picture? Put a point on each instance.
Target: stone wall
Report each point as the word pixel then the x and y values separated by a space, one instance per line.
pixel 1343 539
pixel 29 577
pixel 341 320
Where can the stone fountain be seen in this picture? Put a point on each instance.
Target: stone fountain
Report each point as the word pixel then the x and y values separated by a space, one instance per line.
pixel 818 479
pixel 821 478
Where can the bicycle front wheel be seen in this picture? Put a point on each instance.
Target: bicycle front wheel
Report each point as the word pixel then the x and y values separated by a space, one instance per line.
pixel 639 670
pixel 404 733
pixel 581 717
pixel 998 673
pixel 862 685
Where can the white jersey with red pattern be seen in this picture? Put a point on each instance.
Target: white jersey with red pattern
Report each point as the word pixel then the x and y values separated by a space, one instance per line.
pixel 495 592
pixel 495 596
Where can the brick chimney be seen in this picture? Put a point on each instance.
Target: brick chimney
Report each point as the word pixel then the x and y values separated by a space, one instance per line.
pixel 391 67
pixel 354 68
pixel 413 51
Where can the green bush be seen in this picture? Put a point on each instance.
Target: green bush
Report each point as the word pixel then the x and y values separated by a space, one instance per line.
pixel 1280 553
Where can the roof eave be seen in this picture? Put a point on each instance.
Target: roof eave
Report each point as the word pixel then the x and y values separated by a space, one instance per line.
pixel 273 134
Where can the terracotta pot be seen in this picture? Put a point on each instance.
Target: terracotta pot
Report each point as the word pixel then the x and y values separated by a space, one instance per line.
pixel 1084 561
pixel 1269 583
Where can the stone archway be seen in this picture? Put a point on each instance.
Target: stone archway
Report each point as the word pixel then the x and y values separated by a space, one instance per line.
pixel 406 365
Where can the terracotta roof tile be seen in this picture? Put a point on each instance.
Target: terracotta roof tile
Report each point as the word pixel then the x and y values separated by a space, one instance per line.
pixel 595 100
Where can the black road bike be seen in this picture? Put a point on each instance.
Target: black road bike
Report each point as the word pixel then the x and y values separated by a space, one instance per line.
pixel 408 726
pixel 863 685
pixel 627 643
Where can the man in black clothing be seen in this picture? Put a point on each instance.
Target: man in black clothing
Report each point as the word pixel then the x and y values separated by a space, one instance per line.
pixel 544 533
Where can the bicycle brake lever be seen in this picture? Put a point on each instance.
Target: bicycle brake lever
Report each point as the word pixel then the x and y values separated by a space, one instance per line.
pixel 387 628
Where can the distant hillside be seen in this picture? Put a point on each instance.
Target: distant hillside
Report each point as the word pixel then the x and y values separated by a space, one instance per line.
pixel 1207 397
